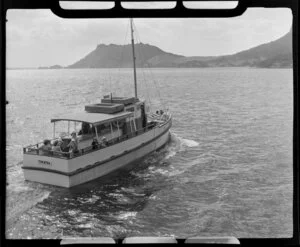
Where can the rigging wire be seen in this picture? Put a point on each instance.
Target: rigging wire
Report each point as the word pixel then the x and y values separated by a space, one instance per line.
pixel 151 73
pixel 148 89
pixel 121 57
pixel 143 72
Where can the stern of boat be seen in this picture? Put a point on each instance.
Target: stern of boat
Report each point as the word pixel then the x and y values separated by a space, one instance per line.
pixel 45 169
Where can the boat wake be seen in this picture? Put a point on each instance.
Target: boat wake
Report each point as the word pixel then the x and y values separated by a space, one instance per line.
pixel 160 162
pixel 18 203
pixel 22 195
pixel 179 144
pixel 126 215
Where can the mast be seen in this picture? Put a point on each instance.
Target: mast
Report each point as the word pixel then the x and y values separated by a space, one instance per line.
pixel 133 56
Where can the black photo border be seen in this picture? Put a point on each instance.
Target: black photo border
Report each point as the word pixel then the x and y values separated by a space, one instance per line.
pixel 179 11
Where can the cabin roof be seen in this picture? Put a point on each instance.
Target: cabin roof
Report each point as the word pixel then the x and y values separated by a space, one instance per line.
pixel 92 118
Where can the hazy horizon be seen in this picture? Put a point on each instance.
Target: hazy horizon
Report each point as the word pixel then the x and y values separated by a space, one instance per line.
pixel 38 38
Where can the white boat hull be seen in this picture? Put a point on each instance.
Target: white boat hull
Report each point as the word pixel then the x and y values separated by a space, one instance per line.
pixel 87 167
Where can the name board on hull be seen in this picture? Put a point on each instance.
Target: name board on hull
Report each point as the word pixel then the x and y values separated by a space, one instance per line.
pixel 44 162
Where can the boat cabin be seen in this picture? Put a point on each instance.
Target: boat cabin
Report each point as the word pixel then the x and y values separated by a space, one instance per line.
pixel 112 118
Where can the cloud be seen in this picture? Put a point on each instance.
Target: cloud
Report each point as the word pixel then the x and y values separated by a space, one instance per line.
pixel 48 39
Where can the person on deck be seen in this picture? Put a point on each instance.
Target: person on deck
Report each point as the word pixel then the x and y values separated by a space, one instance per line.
pixel 85 129
pixel 57 145
pixel 46 147
pixel 104 142
pixel 95 143
pixel 73 145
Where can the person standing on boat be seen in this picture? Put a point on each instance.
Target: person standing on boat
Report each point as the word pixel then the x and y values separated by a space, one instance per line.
pixel 73 145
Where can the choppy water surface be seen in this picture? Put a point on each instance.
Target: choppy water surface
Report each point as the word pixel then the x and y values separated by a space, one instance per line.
pixel 226 171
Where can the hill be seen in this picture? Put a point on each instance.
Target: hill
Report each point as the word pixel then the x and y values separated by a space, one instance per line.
pixel 111 56
pixel 275 54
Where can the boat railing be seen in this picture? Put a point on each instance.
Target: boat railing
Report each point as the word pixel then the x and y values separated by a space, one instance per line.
pixel 35 149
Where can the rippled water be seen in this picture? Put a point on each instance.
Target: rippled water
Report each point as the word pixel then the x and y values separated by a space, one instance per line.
pixel 226 171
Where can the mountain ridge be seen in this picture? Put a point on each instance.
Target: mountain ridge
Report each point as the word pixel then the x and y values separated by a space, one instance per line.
pixel 274 54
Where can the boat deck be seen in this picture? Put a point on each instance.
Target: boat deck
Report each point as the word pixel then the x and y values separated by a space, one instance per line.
pixel 85 145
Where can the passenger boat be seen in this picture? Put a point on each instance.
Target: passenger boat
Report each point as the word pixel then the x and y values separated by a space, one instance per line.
pixel 114 133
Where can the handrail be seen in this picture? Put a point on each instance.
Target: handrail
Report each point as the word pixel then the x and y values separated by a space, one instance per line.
pixel 68 155
pixel 53 139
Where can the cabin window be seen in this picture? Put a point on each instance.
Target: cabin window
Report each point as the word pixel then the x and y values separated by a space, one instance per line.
pixel 86 129
pixel 103 129
pixel 114 126
pixel 119 123
pixel 122 123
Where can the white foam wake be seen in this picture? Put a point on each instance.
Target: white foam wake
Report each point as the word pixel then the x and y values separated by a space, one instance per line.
pixel 179 144
pixel 126 215
pixel 190 143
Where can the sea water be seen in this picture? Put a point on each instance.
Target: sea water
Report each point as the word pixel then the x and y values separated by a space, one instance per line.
pixel 227 169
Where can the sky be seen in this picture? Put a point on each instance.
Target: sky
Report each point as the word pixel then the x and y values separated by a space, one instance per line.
pixel 40 38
